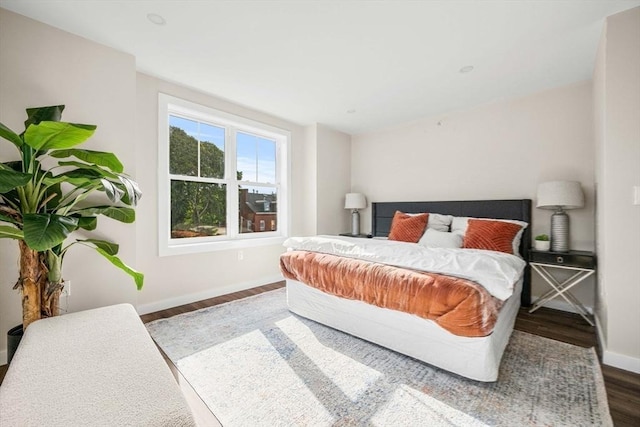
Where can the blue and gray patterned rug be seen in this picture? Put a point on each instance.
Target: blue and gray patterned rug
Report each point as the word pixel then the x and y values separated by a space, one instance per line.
pixel 254 363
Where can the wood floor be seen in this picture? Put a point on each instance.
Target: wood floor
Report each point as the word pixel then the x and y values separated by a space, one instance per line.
pixel 623 387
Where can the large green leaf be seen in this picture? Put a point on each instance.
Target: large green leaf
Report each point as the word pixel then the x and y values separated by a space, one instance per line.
pixel 39 114
pixel 97 170
pixel 75 177
pixel 44 231
pixel 10 179
pixel 100 158
pixel 57 135
pixel 8 232
pixel 137 276
pixel 112 191
pixel 122 214
pixel 109 247
pixel 10 135
pixel 88 223
pixel 133 193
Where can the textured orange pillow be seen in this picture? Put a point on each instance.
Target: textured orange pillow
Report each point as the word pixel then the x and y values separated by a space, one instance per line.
pixel 490 235
pixel 408 228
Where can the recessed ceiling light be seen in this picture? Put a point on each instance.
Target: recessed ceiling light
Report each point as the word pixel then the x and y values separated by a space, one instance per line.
pixel 466 69
pixel 351 111
pixel 156 19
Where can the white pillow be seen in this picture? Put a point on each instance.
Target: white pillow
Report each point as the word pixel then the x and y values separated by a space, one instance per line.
pixel 437 221
pixel 459 226
pixel 440 239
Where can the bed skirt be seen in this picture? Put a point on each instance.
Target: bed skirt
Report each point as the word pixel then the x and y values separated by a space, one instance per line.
pixel 477 358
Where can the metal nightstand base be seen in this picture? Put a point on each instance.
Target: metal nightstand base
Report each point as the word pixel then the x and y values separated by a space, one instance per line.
pixel 562 289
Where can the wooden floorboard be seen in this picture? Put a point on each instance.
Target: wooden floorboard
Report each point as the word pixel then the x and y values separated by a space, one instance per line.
pixel 623 387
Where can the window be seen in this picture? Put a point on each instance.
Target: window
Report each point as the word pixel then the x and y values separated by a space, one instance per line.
pixel 222 179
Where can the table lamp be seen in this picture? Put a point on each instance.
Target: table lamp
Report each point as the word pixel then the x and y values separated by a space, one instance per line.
pixel 559 196
pixel 355 201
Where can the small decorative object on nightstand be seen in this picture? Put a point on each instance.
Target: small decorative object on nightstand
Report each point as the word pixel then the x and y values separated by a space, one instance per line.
pixel 355 201
pixel 542 243
pixel 581 263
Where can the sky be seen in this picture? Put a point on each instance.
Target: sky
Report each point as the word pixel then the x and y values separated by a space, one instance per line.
pixel 256 156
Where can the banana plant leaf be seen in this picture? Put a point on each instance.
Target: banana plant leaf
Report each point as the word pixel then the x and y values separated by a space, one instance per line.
pixel 10 179
pixel 119 213
pixel 10 135
pixel 100 158
pixel 8 232
pixel 44 231
pixel 109 247
pixel 57 135
pixel 40 114
pixel 137 276
pixel 88 223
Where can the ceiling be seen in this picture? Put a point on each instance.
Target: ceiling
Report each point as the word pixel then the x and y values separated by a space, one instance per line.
pixel 356 66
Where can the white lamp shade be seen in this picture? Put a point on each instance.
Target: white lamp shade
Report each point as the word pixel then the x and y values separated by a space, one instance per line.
pixel 355 201
pixel 564 194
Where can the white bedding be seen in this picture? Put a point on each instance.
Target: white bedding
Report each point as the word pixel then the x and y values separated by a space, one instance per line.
pixel 496 271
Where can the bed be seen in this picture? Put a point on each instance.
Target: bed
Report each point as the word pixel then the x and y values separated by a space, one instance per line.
pixel 474 355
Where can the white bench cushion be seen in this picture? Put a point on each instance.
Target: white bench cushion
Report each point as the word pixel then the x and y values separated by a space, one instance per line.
pixel 91 368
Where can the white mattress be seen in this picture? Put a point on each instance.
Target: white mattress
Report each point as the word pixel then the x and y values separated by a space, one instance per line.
pixel 472 357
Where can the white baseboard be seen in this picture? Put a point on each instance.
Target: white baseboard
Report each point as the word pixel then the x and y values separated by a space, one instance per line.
pixel 3 357
pixel 621 361
pixel 616 360
pixel 563 306
pixel 199 296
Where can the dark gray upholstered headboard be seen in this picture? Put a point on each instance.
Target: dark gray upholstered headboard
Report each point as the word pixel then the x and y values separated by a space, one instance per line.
pixel 382 214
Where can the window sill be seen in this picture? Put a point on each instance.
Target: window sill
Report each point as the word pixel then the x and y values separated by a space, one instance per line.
pixel 202 247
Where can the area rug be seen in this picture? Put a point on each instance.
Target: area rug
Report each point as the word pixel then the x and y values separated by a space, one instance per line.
pixel 254 363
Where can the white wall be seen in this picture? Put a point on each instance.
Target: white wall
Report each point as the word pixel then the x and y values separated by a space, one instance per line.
pixel 39 66
pixel 333 180
pixel 176 280
pixel 617 133
pixel 498 151
pixel 327 165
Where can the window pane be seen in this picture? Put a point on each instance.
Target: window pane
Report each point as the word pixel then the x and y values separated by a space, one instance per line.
pixel 183 146
pixel 258 209
pixel 198 209
pixel 266 161
pixel 256 158
pixel 211 151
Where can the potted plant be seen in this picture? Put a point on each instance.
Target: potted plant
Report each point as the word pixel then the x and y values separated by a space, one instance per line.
pixel 44 197
pixel 541 242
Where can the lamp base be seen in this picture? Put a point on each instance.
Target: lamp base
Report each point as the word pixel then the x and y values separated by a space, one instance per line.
pixel 355 222
pixel 560 231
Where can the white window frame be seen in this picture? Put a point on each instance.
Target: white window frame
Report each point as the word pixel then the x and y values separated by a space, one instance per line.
pixel 170 105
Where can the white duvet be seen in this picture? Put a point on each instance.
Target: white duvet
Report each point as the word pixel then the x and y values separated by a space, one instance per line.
pixel 496 271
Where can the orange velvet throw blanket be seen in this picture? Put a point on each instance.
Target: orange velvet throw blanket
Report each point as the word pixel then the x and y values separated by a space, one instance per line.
pixel 460 306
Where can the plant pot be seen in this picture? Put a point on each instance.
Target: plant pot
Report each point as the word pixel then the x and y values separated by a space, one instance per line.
pixel 13 341
pixel 542 245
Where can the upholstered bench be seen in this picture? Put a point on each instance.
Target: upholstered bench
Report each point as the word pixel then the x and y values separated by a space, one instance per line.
pixel 91 368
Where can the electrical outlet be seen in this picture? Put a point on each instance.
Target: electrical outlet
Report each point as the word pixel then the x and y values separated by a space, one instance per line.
pixel 67 288
pixel 240 255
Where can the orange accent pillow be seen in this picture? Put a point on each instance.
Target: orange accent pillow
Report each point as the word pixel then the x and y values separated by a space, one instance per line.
pixel 408 228
pixel 490 235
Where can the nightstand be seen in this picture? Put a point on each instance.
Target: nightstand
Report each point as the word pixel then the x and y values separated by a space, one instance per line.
pixel 581 263
pixel 362 236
